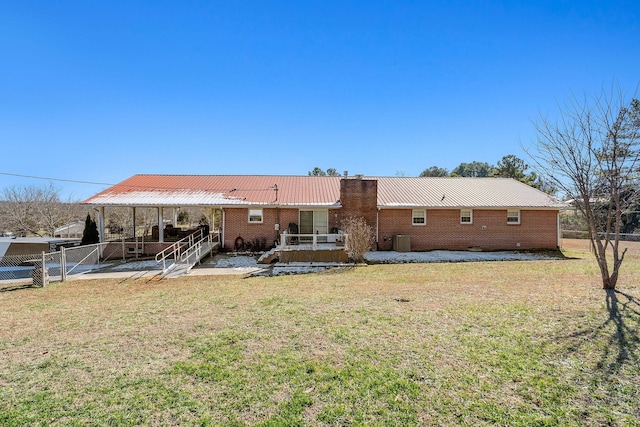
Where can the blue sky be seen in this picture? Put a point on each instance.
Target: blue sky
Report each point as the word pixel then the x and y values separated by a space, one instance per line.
pixel 99 91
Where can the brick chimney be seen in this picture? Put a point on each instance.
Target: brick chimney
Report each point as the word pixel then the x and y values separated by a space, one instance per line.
pixel 359 197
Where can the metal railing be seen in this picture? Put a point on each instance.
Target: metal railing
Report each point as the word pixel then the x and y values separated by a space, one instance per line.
pixel 174 251
pixel 45 267
pixel 195 252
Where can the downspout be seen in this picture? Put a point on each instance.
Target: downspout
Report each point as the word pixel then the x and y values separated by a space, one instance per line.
pixel 222 228
pixel 277 226
pixel 559 230
pixel 377 226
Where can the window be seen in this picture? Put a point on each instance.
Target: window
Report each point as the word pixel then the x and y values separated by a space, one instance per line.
pixel 466 216
pixel 419 217
pixel 255 216
pixel 513 217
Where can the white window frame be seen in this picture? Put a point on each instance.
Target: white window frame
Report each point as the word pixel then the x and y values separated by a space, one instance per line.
pixel 513 213
pixel 256 212
pixel 419 214
pixel 470 216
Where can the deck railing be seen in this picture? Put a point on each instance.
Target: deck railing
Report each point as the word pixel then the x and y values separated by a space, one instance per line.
pixel 312 241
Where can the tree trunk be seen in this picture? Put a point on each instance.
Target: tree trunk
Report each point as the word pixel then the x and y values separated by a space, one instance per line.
pixel 609 283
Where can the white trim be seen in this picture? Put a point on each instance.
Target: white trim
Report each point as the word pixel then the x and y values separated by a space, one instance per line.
pixel 470 216
pixel 315 225
pixel 423 217
pixel 517 214
pixel 255 212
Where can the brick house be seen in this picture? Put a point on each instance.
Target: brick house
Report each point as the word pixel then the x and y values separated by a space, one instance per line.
pixel 429 213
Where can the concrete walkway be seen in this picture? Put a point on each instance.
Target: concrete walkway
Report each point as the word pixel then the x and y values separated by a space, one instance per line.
pixel 156 273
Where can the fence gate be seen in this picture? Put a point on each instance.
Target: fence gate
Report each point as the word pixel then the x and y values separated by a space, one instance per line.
pixel 43 268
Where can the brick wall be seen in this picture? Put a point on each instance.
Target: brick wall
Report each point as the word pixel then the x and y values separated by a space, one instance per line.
pixel 489 230
pixel 237 224
pixel 114 250
pixel 236 221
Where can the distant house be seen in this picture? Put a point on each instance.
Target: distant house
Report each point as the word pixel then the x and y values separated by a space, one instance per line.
pixel 419 214
pixel 74 229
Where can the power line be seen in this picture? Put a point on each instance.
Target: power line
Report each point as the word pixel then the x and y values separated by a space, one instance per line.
pixel 145 187
pixel 53 179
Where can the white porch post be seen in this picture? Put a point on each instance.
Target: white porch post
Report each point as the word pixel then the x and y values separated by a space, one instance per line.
pixel 160 224
pixel 133 222
pixel 101 223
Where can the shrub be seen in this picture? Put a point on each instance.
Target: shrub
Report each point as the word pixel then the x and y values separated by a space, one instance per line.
pixel 360 237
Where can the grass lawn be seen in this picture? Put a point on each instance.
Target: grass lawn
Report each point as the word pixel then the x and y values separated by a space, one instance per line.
pixel 490 343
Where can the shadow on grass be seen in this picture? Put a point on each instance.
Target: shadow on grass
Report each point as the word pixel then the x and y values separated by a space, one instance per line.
pixel 624 314
pixel 622 344
pixel 17 287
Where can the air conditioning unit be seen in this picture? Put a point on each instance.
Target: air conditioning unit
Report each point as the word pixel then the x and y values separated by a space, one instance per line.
pixel 402 243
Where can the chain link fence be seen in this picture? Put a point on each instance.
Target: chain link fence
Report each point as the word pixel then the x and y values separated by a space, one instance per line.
pixel 46 267
pixel 18 268
pixel 581 234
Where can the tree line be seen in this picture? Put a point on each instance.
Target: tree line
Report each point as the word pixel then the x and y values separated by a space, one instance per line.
pixel 510 166
pixel 36 211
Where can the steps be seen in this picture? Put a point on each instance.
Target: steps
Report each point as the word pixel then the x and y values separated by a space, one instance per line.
pixel 269 256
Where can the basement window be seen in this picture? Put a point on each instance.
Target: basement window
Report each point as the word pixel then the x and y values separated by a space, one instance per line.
pixel 255 216
pixel 419 217
pixel 513 217
pixel 466 216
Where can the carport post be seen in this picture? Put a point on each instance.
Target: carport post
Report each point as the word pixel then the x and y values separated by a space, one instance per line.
pixel 101 224
pixel 133 210
pixel 160 224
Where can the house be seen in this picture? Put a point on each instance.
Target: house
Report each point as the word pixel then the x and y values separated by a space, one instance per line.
pixel 417 214
pixel 74 229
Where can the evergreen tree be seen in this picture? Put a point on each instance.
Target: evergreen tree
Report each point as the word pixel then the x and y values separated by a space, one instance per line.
pixel 474 169
pixel 434 171
pixel 90 234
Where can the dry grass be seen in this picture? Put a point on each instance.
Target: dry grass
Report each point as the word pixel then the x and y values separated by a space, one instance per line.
pixel 517 343
pixel 633 248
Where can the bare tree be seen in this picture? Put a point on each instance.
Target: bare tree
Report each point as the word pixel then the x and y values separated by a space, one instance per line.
pixel 38 211
pixel 592 153
pixel 18 211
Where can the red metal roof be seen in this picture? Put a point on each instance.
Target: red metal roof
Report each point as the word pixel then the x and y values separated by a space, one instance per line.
pixel 459 192
pixel 319 191
pixel 221 190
